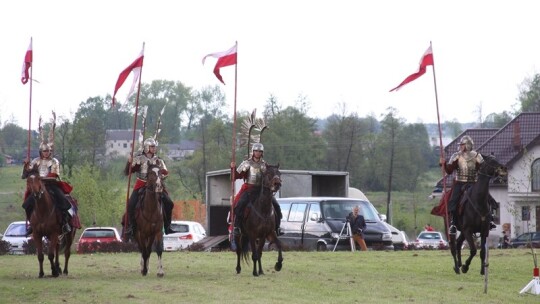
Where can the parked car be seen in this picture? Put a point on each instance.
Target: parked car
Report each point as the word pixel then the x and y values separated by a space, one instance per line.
pixel 526 240
pixel 15 234
pixel 92 237
pixel 186 234
pixel 399 238
pixel 317 223
pixel 430 240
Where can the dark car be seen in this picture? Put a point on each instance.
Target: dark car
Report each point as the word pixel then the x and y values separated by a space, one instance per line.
pixel 318 223
pixel 526 240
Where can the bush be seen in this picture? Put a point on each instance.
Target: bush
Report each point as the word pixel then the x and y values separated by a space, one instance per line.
pixel 114 247
pixel 4 247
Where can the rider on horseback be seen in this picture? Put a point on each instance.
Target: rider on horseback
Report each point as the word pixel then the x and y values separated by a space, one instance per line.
pixel 49 168
pixel 140 165
pixel 467 162
pixel 251 171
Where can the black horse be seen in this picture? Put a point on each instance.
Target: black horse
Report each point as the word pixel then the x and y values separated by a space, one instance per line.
pixel 259 223
pixel 474 215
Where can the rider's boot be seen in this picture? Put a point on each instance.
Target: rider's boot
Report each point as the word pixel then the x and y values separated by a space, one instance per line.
pixel 66 217
pixel 278 226
pixel 130 229
pixel 492 224
pixel 453 229
pixel 237 221
pixel 28 211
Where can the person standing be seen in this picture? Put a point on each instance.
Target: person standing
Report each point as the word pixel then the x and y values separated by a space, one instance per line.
pixel 358 225
pixel 251 171
pixel 506 240
pixel 428 227
pixel 466 162
pixel 140 165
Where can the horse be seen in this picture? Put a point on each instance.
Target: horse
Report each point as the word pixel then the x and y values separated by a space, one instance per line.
pixel 149 220
pixel 474 216
pixel 46 221
pixel 259 223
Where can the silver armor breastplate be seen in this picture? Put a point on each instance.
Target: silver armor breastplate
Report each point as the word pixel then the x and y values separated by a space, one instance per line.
pixel 255 171
pixel 466 171
pixel 45 166
pixel 143 161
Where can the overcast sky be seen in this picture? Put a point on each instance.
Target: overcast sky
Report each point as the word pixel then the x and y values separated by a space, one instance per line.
pixel 331 52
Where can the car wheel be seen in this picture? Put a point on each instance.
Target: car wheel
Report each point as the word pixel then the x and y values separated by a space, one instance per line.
pixel 321 247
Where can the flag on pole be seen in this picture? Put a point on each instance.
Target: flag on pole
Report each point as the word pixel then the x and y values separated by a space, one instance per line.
pixel 134 67
pixel 427 59
pixel 27 64
pixel 225 58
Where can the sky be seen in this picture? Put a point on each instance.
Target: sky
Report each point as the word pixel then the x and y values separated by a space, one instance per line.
pixel 342 56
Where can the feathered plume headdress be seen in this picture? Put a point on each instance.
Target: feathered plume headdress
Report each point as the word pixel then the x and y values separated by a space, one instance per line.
pixel 49 144
pixel 252 130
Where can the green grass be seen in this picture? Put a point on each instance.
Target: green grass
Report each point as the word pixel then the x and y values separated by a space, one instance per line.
pixel 307 277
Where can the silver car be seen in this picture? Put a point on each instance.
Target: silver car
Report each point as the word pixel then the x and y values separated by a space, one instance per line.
pixel 15 234
pixel 430 240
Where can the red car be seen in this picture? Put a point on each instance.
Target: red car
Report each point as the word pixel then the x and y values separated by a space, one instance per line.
pixel 92 238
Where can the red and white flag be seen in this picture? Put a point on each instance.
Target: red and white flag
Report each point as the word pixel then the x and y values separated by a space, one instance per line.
pixel 135 67
pixel 427 59
pixel 27 64
pixel 225 58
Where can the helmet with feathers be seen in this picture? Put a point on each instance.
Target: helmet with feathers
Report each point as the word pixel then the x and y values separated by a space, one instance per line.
pixel 47 145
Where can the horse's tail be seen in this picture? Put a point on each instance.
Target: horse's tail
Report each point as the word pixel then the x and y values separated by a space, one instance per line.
pixel 244 249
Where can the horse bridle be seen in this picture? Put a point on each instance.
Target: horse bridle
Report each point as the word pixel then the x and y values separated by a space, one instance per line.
pixel 37 195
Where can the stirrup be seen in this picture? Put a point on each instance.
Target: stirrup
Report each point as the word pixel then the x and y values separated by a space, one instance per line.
pixel 492 225
pixel 66 228
pixel 237 231
pixel 453 229
pixel 29 231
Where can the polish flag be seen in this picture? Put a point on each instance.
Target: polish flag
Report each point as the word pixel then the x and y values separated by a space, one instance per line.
pixel 27 64
pixel 427 59
pixel 134 67
pixel 225 58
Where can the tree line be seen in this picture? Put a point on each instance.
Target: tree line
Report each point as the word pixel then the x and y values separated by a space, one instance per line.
pixel 380 153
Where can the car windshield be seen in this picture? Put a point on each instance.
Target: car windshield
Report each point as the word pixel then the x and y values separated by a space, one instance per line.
pixel 102 233
pixel 179 227
pixel 430 236
pixel 340 209
pixel 16 230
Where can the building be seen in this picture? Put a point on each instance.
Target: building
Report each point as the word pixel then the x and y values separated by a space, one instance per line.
pixel 119 142
pixel 185 149
pixel 517 146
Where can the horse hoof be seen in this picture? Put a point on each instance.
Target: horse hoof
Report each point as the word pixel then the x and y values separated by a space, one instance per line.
pixel 456 269
pixel 160 275
pixel 464 269
pixel 278 267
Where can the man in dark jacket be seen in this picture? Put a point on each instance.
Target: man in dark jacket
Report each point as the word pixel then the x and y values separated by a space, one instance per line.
pixel 358 225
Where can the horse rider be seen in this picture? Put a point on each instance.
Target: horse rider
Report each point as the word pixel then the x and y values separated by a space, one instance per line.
pixel 49 168
pixel 467 162
pixel 251 170
pixel 140 165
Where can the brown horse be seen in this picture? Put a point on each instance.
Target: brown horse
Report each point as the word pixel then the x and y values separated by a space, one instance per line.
pixel 149 219
pixel 474 217
pixel 259 223
pixel 46 221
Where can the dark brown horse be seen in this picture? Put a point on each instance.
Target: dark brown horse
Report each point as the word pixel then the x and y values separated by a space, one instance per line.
pixel 259 223
pixel 474 215
pixel 149 219
pixel 46 221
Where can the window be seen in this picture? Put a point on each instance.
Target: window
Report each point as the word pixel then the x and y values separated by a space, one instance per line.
pixel 297 212
pixel 525 213
pixel 535 172
pixel 314 208
pixel 125 145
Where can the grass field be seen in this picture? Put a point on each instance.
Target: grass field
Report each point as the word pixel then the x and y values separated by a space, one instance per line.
pixel 307 277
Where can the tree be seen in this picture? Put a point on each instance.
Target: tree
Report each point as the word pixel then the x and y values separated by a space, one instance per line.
pixel 89 128
pixel 529 94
